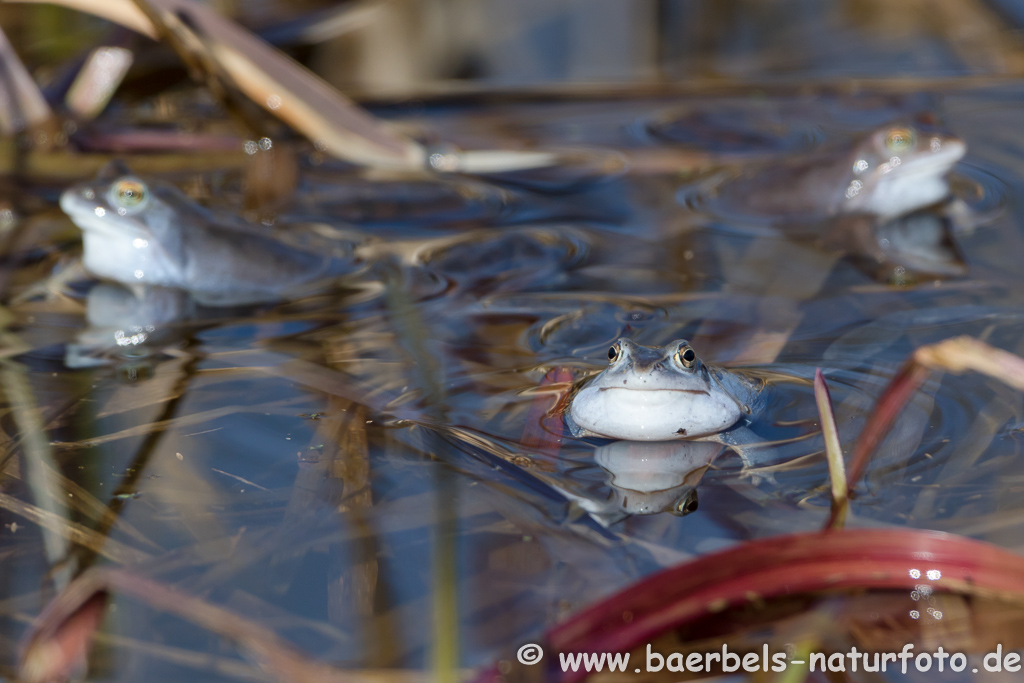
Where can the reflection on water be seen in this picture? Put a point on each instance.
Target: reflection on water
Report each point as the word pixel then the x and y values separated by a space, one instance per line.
pixel 651 477
pixel 285 459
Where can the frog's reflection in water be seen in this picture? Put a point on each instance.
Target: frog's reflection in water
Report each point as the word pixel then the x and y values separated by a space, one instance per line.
pixel 648 477
pixel 122 323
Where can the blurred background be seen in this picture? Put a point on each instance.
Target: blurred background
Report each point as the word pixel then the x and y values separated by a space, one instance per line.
pixel 401 47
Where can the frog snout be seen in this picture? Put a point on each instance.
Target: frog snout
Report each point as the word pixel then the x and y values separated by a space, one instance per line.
pixel 67 199
pixel 646 368
pixel 637 379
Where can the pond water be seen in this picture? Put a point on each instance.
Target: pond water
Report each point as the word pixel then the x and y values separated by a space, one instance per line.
pixel 328 466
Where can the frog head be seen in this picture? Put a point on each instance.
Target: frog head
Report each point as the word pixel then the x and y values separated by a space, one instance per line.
pixel 899 168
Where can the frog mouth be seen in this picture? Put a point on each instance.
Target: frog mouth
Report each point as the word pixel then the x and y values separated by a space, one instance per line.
pixel 950 153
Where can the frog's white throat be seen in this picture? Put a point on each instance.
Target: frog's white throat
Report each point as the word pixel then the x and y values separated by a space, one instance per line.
pixel 652 415
pixel 113 253
pixel 905 193
pixel 913 185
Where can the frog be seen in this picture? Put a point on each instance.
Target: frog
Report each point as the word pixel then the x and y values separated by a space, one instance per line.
pixel 662 393
pixel 888 172
pixel 150 234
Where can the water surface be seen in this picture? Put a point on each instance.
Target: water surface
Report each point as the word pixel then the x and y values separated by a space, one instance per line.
pixel 317 464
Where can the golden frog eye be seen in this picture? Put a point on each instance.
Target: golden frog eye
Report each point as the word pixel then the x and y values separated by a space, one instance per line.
pixel 900 139
pixel 686 356
pixel 129 193
pixel 613 353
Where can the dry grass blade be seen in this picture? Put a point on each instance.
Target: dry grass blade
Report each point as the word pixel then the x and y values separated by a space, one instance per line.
pixel 338 21
pixel 163 425
pixel 40 468
pixel 961 354
pixel 356 563
pixel 445 617
pixel 334 383
pixel 280 85
pixel 500 160
pixel 96 82
pixel 21 104
pixel 412 331
pixel 65 166
pixel 82 501
pixel 71 618
pixel 297 96
pixel 202 66
pixel 833 452
pixel 67 530
pixel 176 390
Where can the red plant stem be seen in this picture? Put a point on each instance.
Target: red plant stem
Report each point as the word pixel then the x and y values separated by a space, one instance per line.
pixel 842 561
pixel 893 399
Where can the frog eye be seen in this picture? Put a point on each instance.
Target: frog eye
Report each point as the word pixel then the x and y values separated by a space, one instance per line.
pixel 900 139
pixel 129 193
pixel 686 356
pixel 613 353
pixel 686 504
